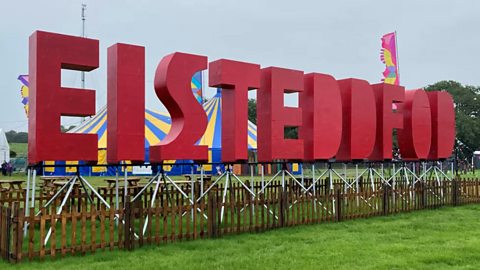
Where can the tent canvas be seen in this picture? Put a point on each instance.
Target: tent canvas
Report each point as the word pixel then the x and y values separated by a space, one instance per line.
pixel 157 126
pixel 4 148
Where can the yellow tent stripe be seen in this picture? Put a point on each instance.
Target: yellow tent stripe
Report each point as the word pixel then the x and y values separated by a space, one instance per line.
pixel 102 142
pixel 151 137
pixel 207 138
pixel 164 127
pixel 103 116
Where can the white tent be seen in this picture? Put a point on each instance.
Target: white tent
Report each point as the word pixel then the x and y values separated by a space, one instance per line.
pixel 4 148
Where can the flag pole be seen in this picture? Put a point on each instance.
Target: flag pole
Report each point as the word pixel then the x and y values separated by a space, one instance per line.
pixel 84 7
pixel 396 55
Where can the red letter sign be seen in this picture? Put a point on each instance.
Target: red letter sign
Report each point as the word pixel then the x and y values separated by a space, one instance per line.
pixel 235 78
pixel 49 53
pixel 387 120
pixel 443 125
pixel 359 120
pixel 272 116
pixel 126 103
pixel 322 116
pixel 415 138
pixel 189 121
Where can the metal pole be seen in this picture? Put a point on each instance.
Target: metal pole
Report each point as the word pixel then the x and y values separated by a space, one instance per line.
pixel 301 168
pixel 393 182
pixel 125 190
pixel 313 178
pixel 33 187
pixel 59 211
pixel 424 171
pixel 116 188
pixel 84 7
pixel 398 60
pixel 201 181
pixel 27 209
pixel 263 177
pixel 225 194
pixel 381 166
pixel 453 174
pixel 357 186
pixel 192 190
pixel 252 186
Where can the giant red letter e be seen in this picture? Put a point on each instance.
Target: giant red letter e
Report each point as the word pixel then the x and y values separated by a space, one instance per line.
pixel 49 53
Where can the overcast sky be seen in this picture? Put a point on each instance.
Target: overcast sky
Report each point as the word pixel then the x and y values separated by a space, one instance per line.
pixel 437 40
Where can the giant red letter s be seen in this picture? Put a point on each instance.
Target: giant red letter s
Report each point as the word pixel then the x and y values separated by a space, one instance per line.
pixel 189 121
pixel 49 53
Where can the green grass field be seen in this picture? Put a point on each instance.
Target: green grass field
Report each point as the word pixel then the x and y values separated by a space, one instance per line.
pixel 447 238
pixel 19 148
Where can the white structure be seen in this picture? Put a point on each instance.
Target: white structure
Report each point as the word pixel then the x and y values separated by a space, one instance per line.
pixel 4 148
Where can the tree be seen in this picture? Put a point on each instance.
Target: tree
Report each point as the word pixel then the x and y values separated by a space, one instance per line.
pixel 467 115
pixel 16 137
pixel 252 110
pixel 66 129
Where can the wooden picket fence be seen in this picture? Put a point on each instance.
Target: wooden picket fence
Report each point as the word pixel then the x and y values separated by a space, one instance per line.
pixel 87 228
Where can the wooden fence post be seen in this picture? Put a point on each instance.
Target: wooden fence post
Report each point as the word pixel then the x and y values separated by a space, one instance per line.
pixel 338 205
pixel 423 195
pixel 17 226
pixel 128 226
pixel 454 192
pixel 281 213
pixel 211 213
pixel 385 198
pixel 7 236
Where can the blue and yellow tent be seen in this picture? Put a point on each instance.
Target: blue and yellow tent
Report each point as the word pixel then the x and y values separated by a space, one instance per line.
pixel 157 126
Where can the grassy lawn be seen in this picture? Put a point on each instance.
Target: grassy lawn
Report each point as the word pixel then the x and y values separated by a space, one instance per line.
pixel 446 238
pixel 19 148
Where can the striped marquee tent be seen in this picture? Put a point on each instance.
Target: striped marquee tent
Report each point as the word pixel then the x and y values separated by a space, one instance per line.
pixel 157 125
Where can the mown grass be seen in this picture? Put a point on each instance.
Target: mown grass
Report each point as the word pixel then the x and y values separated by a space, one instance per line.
pixel 447 238
pixel 19 148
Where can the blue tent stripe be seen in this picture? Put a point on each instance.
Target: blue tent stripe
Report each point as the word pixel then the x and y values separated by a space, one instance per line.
pixel 97 121
pixel 161 117
pixel 217 134
pixel 212 108
pixel 155 130
pixel 102 130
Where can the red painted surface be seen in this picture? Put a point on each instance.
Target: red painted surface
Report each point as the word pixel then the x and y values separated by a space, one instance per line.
pixel 49 53
pixel 359 120
pixel 347 115
pixel 443 125
pixel 189 121
pixel 387 120
pixel 414 139
pixel 235 78
pixel 272 116
pixel 126 103
pixel 321 105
